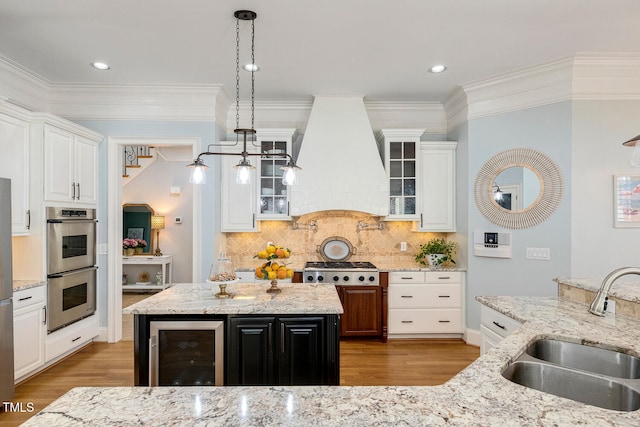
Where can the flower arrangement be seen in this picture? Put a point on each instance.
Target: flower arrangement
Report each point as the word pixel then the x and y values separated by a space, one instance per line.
pixel 141 243
pixel 271 269
pixel 130 243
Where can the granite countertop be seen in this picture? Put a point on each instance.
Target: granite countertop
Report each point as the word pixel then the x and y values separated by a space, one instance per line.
pixel 247 298
pixel 626 287
pixel 21 285
pixel 477 396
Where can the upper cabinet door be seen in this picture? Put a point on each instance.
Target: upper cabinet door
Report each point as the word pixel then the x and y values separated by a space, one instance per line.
pixel 238 201
pixel 86 170
pixel 438 186
pixel 70 167
pixel 59 182
pixel 273 196
pixel 402 163
pixel 14 164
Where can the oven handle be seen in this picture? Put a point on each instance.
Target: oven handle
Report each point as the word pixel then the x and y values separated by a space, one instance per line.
pixel 69 273
pixel 74 221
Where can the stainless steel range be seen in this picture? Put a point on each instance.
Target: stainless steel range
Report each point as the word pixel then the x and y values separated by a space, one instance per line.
pixel 341 273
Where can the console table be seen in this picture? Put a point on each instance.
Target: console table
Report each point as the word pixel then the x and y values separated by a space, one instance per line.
pixel 136 265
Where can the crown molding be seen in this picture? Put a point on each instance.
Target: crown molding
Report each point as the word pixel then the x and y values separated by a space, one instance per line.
pixel 456 109
pixel 586 76
pixel 610 77
pixel 430 116
pixel 131 102
pixel 22 87
pixel 521 89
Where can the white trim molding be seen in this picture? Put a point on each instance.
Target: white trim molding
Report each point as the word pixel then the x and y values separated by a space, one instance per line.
pixel 23 87
pixel 585 76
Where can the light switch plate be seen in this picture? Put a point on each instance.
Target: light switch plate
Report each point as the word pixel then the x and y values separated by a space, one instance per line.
pixel 403 246
pixel 539 253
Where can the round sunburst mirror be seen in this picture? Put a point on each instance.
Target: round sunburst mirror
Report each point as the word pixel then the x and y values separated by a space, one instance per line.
pixel 518 188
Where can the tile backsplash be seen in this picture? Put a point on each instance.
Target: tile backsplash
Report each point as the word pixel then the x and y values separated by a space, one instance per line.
pixel 381 247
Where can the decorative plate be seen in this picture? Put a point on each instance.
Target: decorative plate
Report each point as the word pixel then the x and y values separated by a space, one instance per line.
pixel 336 249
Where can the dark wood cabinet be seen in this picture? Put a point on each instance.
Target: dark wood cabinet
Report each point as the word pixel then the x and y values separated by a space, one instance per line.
pixel 362 311
pixel 250 356
pixel 283 350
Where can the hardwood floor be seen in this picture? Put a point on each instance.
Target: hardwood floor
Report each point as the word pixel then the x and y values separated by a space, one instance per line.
pixel 362 362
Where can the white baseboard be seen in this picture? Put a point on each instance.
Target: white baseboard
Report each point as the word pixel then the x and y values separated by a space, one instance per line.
pixel 472 337
pixel 103 334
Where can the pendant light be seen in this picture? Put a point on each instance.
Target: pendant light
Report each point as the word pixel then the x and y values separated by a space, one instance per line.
pixel 635 156
pixel 244 168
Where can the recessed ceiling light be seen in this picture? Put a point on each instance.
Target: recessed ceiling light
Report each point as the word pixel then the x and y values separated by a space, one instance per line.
pixel 437 69
pixel 100 66
pixel 251 67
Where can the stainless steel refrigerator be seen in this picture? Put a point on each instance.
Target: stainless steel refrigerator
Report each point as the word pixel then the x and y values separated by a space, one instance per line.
pixel 6 294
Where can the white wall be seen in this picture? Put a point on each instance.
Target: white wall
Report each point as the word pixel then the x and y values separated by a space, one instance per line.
pixel 600 128
pixel 152 186
pixel 547 129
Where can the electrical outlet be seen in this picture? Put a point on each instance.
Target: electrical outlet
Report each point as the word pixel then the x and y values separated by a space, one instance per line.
pixel 403 246
pixel 178 220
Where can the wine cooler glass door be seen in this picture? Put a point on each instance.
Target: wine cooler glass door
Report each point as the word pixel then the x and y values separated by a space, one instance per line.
pixel 184 353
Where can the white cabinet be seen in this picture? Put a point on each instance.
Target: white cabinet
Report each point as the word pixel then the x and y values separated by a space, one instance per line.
pixel 494 327
pixel 64 341
pixel 425 303
pixel 29 330
pixel 14 163
pixel 132 266
pixel 238 201
pixel 436 202
pixel 273 195
pixel 401 161
pixel 70 165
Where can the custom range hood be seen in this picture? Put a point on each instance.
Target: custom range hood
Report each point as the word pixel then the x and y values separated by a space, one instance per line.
pixel 342 166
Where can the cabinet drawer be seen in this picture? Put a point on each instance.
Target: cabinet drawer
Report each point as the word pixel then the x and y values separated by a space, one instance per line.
pixel 71 337
pixel 425 321
pixel 24 298
pixel 406 277
pixel 443 277
pixel 425 296
pixel 498 322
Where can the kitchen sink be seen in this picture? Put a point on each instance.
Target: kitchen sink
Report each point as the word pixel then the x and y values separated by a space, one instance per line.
pixel 595 390
pixel 595 376
pixel 586 358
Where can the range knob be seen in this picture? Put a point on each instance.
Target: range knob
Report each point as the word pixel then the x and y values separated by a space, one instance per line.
pixel 361 278
pixel 336 278
pixel 310 278
pixel 345 278
pixel 320 278
pixel 372 279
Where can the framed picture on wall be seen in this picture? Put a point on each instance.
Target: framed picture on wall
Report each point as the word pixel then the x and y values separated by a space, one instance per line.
pixel 626 195
pixel 135 233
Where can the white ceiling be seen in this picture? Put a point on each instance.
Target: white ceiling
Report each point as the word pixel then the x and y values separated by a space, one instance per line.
pixel 380 49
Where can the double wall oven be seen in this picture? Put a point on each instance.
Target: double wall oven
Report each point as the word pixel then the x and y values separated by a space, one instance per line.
pixel 71 265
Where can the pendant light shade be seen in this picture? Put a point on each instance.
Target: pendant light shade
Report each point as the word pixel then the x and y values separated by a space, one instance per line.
pixel 244 169
pixel 198 172
pixel 635 155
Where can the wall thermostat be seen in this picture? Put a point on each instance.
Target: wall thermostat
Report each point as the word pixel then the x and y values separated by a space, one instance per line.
pixel 492 244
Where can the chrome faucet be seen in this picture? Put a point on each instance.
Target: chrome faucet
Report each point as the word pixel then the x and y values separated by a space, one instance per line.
pixel 599 304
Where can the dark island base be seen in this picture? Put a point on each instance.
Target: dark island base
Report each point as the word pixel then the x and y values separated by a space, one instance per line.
pixel 258 350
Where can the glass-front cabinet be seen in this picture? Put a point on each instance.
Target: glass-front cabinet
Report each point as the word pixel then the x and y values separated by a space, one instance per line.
pixel 273 195
pixel 400 149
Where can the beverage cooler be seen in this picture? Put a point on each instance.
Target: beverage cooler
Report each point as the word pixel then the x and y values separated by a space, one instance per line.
pixel 183 353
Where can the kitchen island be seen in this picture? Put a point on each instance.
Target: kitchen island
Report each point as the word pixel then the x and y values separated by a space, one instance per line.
pixel 477 396
pixel 186 335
